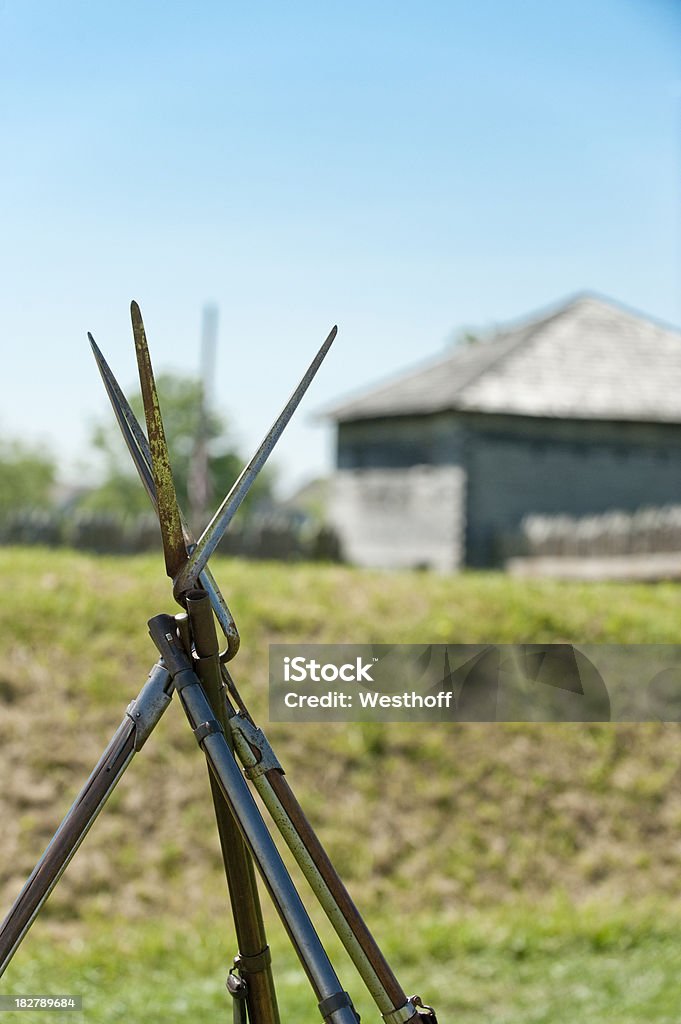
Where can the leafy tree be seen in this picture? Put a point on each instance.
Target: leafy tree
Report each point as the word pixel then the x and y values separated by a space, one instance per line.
pixel 181 406
pixel 27 476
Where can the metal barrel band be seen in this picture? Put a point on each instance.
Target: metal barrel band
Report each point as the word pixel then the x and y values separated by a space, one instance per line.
pixel 150 704
pixel 253 964
pixel 401 1015
pixel 185 677
pixel 254 737
pixel 337 1001
pixel 207 729
pixel 197 661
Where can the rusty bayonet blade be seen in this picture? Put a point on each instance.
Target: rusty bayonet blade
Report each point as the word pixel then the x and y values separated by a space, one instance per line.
pixel 174 548
pixel 214 532
pixel 138 446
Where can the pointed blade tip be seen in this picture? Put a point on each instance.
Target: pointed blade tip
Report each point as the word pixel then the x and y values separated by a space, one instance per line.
pixel 95 348
pixel 329 340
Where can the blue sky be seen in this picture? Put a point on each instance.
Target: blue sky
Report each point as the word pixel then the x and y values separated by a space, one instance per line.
pixel 403 170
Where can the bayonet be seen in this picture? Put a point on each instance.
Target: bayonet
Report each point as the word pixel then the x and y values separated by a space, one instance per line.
pixel 134 438
pixel 138 446
pixel 174 549
pixel 153 471
pixel 215 530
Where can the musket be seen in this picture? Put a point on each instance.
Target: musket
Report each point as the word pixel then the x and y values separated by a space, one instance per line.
pixel 250 743
pixel 192 664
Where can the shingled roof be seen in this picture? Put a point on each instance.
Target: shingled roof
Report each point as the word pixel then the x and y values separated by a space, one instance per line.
pixel 588 359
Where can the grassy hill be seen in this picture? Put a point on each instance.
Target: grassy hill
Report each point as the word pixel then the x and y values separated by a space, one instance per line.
pixel 516 851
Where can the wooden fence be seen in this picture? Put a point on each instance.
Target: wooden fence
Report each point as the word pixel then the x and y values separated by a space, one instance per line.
pixel 610 534
pixel 265 536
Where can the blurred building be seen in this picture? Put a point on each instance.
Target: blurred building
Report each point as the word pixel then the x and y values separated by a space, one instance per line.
pixel 572 412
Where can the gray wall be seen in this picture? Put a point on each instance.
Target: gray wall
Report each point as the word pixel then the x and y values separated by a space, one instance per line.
pixel 400 442
pixel 518 467
pixel 422 490
pixel 400 518
pixel 398 495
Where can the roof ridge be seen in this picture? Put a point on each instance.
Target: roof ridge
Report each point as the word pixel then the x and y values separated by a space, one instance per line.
pixel 545 313
pixel 388 382
pixel 498 335
pixel 465 374
pixel 623 307
pixel 526 334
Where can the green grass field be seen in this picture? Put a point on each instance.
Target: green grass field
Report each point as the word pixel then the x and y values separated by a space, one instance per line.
pixel 511 872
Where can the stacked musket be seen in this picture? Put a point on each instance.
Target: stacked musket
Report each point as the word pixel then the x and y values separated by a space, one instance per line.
pixel 191 664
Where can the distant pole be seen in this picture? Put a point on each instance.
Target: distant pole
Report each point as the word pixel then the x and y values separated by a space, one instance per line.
pixel 209 342
pixel 200 484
